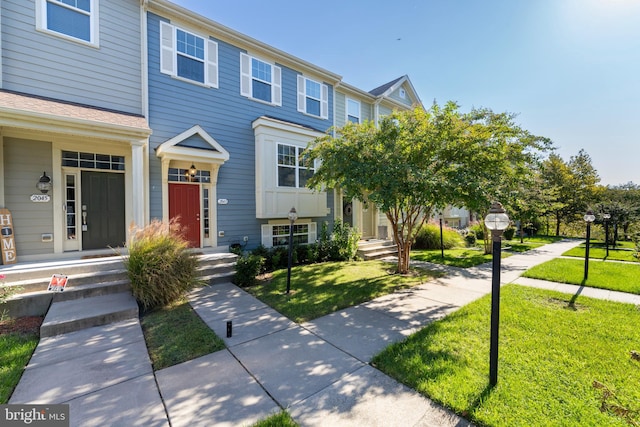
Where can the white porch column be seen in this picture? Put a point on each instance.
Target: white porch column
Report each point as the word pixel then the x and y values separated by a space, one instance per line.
pixel 137 176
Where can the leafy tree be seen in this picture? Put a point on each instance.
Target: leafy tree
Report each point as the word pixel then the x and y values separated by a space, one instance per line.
pixel 501 166
pixel 622 202
pixel 572 186
pixel 401 166
pixel 419 160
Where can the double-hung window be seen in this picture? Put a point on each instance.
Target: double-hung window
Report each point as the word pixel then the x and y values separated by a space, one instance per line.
pixel 274 235
pixel 313 97
pixel 293 169
pixel 76 19
pixel 188 56
pixel 260 80
pixel 353 111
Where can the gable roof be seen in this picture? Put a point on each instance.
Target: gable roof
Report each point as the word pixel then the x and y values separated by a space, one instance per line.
pixel 387 89
pixel 173 149
pixel 381 90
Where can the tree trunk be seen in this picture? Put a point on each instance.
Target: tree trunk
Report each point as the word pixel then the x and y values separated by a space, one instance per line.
pixel 557 225
pixel 404 257
pixel 521 236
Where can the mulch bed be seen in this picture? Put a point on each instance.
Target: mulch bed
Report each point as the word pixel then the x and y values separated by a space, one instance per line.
pixel 23 325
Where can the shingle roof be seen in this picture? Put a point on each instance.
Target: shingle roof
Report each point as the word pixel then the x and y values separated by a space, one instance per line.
pixel 19 102
pixel 382 89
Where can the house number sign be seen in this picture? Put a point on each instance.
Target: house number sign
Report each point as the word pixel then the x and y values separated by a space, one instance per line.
pixel 40 198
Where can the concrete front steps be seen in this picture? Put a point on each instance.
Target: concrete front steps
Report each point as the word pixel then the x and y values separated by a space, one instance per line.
pixel 98 291
pixel 376 249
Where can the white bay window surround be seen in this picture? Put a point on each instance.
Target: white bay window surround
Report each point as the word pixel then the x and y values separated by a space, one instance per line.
pixel 260 80
pixel 187 56
pixel 281 172
pixel 313 97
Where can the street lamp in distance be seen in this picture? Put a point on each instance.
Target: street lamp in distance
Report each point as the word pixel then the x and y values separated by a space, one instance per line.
pixel 606 217
pixel 293 215
pixel 496 221
pixel 588 218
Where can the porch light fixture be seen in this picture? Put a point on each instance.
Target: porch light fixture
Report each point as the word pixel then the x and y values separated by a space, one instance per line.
pixel 193 171
pixel 44 183
pixel 497 221
pixel 588 218
pixel 293 216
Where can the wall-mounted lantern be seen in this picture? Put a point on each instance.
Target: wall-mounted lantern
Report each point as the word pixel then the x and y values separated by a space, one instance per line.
pixel 44 183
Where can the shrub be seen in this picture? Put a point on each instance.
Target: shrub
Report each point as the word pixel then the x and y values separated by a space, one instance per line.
pixel 340 245
pixel 428 237
pixel 470 238
pixel 247 268
pixel 509 232
pixel 160 266
pixel 478 229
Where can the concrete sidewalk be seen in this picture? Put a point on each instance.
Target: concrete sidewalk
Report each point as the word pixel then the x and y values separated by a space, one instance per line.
pixel 317 371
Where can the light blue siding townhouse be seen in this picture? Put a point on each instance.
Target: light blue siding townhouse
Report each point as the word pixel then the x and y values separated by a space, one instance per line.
pixel 72 116
pixel 230 118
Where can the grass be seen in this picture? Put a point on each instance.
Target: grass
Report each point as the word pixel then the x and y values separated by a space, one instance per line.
pixel 175 334
pixel 470 257
pixel 550 356
pixel 281 419
pixel 601 253
pixel 15 351
pixel 615 276
pixel 462 258
pixel 320 289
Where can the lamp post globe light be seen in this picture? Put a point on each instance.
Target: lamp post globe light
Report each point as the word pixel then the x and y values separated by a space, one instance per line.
pixel 496 221
pixel 589 217
pixel 293 216
pixel 606 217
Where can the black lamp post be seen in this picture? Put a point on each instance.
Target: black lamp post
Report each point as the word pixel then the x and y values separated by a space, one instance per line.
pixel 293 215
pixel 441 239
pixel 606 217
pixel 496 221
pixel 589 218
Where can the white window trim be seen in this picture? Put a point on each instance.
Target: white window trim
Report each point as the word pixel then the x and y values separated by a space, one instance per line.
pixel 246 77
pixel 297 167
pixel 302 97
pixel 169 53
pixel 402 93
pixel 41 23
pixel 346 110
pixel 267 231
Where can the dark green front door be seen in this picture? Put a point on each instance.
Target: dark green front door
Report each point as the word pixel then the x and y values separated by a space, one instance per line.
pixel 102 210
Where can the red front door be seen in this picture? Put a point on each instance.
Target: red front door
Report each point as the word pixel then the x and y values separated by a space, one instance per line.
pixel 184 202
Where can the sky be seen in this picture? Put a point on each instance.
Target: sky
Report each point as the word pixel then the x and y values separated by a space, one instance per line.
pixel 569 69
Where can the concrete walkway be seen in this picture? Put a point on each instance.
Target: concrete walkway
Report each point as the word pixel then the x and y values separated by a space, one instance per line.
pixel 318 371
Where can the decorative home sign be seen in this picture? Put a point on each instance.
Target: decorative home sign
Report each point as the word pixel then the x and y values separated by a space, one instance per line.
pixel 8 240
pixel 57 283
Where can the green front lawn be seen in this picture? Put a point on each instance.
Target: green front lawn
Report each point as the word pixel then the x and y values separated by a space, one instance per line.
pixel 175 334
pixel 463 258
pixel 615 276
pixel 550 356
pixel 15 351
pixel 320 289
pixel 601 253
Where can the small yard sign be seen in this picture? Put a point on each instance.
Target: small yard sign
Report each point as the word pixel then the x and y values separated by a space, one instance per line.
pixel 57 283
